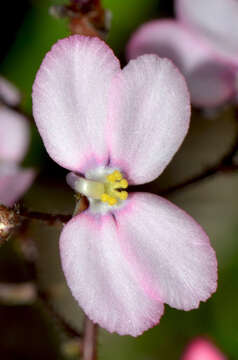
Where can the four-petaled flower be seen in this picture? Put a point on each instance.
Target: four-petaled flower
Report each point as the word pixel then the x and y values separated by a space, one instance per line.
pixel 14 141
pixel 202 349
pixel 203 43
pixel 127 254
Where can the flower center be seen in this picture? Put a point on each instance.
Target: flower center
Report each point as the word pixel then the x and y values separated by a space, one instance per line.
pixel 114 185
pixel 108 189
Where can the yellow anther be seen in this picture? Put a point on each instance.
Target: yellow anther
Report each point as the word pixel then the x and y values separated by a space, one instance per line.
pixel 123 195
pixel 111 178
pixel 123 183
pixel 117 175
pixel 115 182
pixel 104 197
pixel 112 201
pixel 108 199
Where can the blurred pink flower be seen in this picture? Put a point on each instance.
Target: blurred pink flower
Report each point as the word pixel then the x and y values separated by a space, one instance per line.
pixel 127 254
pixel 9 93
pixel 203 43
pixel 202 349
pixel 14 140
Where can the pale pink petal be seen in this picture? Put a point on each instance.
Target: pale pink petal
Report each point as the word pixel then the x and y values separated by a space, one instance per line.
pixel 149 117
pixel 9 93
pixel 14 135
pixel 169 251
pixel 70 101
pixel 14 183
pixel 202 349
pixel 100 278
pixel 216 20
pixel 210 81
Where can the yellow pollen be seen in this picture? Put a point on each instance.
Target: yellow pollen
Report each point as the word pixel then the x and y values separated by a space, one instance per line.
pixel 104 197
pixel 117 174
pixel 115 182
pixel 124 184
pixel 123 195
pixel 109 199
pixel 111 178
pixel 112 201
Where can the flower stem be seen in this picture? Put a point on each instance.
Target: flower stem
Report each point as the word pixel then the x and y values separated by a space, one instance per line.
pixel 219 168
pixel 51 219
pixel 45 296
pixel 45 300
pixel 228 163
pixel 90 340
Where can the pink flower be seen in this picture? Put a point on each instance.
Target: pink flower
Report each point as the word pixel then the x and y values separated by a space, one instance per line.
pixel 9 93
pixel 202 349
pixel 14 140
pixel 127 254
pixel 203 43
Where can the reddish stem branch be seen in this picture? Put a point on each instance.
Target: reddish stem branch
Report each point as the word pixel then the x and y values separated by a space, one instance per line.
pixel 43 296
pixel 51 219
pixel 226 164
pixel 200 177
pixel 90 340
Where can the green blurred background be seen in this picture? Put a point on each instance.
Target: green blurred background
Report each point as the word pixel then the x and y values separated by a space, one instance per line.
pixel 28 332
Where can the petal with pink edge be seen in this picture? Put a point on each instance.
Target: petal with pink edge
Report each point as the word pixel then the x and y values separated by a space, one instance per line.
pixel 149 117
pixel 100 278
pixel 9 93
pixel 169 251
pixel 14 183
pixel 202 349
pixel 14 136
pixel 210 81
pixel 216 20
pixel 70 100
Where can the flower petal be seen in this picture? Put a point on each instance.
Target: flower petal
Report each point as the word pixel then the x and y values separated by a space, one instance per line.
pixel 149 117
pixel 100 278
pixel 210 81
pixel 170 252
pixel 9 93
pixel 14 135
pixel 216 20
pixel 202 349
pixel 70 97
pixel 14 184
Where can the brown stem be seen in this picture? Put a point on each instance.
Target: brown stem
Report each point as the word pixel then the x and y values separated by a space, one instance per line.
pixel 90 340
pixel 30 262
pixel 200 177
pixel 45 299
pixel 51 219
pixel 226 164
pixel 45 296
